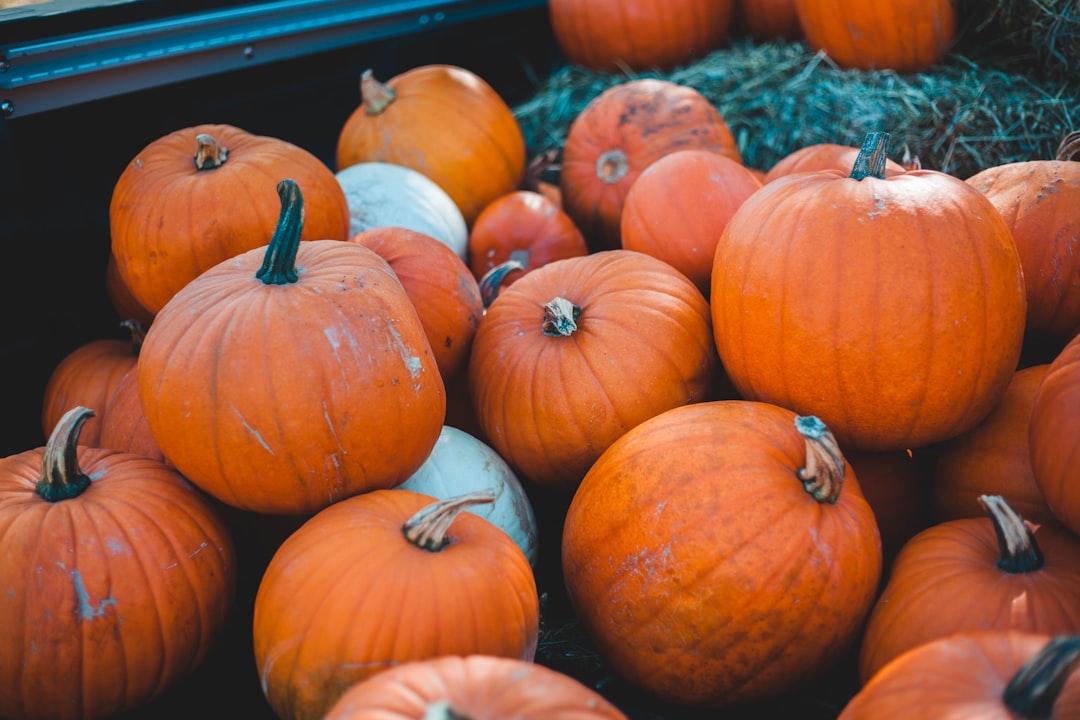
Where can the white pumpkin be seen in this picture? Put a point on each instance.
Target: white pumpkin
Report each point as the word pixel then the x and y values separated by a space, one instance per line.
pixel 382 194
pixel 460 463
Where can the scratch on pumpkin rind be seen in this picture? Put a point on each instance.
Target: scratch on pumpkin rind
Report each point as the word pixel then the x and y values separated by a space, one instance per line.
pixel 252 430
pixel 84 609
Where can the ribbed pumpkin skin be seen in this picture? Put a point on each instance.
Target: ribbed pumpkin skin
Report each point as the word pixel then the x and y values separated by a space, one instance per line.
pixel 550 404
pixel 110 597
pixel 169 221
pixel 1055 423
pixel 961 676
pixel 346 596
pixel 1040 201
pixel 902 35
pixel 477 687
pixel 86 376
pixel 448 124
pixel 281 399
pixel 702 569
pixel 892 308
pixel 621 132
pixel 124 425
pixel 609 35
pixel 946 580
pixel 993 458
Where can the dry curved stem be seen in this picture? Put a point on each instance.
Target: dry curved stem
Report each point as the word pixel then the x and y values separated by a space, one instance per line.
pixel 61 478
pixel 427 529
pixel 1019 552
pixel 1069 149
pixel 1033 690
pixel 870 161
pixel 209 155
pixel 376 96
pixel 824 472
pixel 560 317
pixel 279 262
pixel 493 278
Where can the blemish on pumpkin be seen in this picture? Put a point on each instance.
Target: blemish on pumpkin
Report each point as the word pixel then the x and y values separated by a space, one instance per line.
pixel 84 609
pixel 252 430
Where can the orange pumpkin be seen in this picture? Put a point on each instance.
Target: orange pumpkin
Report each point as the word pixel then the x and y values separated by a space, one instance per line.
pixel 443 121
pixel 993 458
pixel 894 485
pixel 382 579
pixel 618 134
pixel 118 579
pixel 890 307
pixel 120 297
pixel 1054 426
pixel 579 351
pixel 989 573
pixel 292 375
pixel 439 284
pixel 621 35
pixel 202 194
pixel 678 207
pixel 1040 201
pixel 474 686
pixel 721 553
pixel 993 675
pixel 822 156
pixel 903 35
pixel 124 425
pixel 87 376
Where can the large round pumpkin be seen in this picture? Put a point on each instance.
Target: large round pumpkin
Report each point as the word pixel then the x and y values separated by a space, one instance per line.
pixel 892 307
pixel 292 375
pixel 1052 433
pixel 721 553
pixel 620 35
pixel 618 134
pixel 902 35
pixel 381 579
pixel 205 193
pixel 118 578
pixel 579 351
pixel 443 121
pixel 477 687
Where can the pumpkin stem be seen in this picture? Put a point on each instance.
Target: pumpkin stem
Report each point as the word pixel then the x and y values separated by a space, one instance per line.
pixel 537 167
pixel 376 96
pixel 870 161
pixel 1069 149
pixel 279 263
pixel 427 529
pixel 61 478
pixel 612 166
pixel 209 155
pixel 560 317
pixel 1019 553
pixel 493 278
pixel 441 710
pixel 1033 690
pixel 138 334
pixel 824 471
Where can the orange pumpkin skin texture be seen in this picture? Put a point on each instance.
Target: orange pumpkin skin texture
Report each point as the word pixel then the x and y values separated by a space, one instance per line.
pixel 822 156
pixel 283 398
pixel 550 403
pixel 1055 423
pixel 902 35
pixel 478 687
pixel 956 577
pixel 120 297
pixel 638 34
pixel 445 122
pixel 993 458
pixel 109 596
pixel 890 307
pixel 1040 201
pixel 961 676
pixel 677 209
pixel 347 596
pixel 702 569
pixel 124 425
pixel 621 132
pixel 169 220
pixel 440 286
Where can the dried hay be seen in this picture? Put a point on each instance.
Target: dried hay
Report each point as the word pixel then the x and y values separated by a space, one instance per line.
pixel 1042 34
pixel 968 113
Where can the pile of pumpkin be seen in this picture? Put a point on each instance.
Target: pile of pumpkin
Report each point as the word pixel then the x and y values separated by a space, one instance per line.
pixel 735 378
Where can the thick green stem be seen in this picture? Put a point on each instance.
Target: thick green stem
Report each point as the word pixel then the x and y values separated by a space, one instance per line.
pixel 441 710
pixel 1033 690
pixel 870 161
pixel 279 263
pixel 61 478
pixel 824 472
pixel 1019 553
pixel 427 529
pixel 493 278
